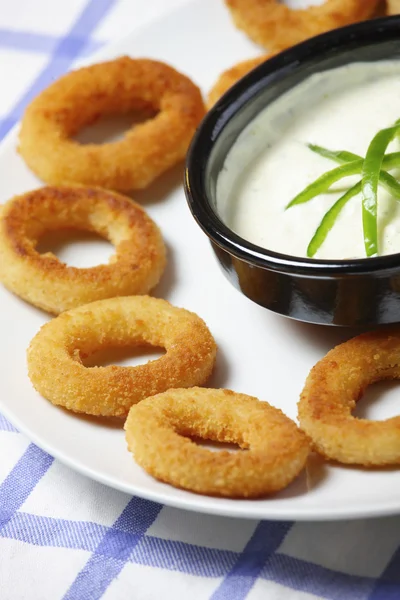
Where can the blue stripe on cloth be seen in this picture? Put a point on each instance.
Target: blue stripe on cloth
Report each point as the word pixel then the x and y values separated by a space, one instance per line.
pixel 186 558
pixel 314 579
pixel 40 42
pixel 6 425
pixel 267 537
pixel 113 551
pixel 45 531
pixel 388 585
pixel 150 551
pixel 20 482
pixel 67 50
pixel 6 124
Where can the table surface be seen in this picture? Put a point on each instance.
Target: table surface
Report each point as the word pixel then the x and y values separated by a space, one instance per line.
pixel 64 536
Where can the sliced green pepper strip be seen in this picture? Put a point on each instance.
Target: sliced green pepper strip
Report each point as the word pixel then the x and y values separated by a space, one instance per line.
pixel 329 219
pixel 342 156
pixel 323 183
pixel 391 161
pixel 369 186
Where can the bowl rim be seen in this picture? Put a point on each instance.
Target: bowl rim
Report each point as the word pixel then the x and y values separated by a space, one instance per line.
pixel 374 31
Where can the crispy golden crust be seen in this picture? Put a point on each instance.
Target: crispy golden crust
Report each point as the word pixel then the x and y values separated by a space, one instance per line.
pixel 46 282
pixel 228 78
pixel 55 354
pixel 393 7
pixel 274 25
pixel 118 86
pixel 158 431
pixel 330 394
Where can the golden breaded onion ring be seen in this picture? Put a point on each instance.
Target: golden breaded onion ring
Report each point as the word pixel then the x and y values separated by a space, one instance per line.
pixel 46 282
pixel 118 86
pixel 274 25
pixel 392 7
pixel 56 352
pixel 231 76
pixel 331 392
pixel 158 431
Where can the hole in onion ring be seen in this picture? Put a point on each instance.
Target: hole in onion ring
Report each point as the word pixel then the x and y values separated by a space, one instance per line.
pixel 128 356
pixel 76 248
pixel 112 128
pixel 380 402
pixel 216 446
pixel 301 4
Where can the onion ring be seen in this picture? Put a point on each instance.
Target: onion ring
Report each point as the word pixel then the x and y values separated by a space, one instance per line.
pixel 331 391
pixel 157 433
pixel 274 25
pixel 392 7
pixel 80 97
pixel 46 282
pixel 231 76
pixel 55 354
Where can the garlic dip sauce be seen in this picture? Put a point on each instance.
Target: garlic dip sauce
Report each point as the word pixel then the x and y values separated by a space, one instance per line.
pixel 269 163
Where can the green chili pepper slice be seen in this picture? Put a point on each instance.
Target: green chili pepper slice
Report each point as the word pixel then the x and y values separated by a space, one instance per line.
pixel 343 156
pixel 323 183
pixel 340 156
pixel 329 220
pixel 369 186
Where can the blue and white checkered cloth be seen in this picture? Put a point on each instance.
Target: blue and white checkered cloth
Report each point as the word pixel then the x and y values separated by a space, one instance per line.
pixel 64 536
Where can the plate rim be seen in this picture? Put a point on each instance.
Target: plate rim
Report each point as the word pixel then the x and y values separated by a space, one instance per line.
pixel 185 504
pixel 243 508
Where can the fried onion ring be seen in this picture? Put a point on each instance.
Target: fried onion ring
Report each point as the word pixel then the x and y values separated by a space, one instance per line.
pixel 231 76
pixel 274 449
pixel 55 354
pixel 393 7
pixel 331 392
pixel 46 282
pixel 118 86
pixel 274 25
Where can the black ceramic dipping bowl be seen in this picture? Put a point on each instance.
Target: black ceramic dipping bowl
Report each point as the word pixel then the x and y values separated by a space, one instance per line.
pixel 363 292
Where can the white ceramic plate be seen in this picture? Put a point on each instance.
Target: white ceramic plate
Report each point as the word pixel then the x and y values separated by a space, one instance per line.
pixel 260 353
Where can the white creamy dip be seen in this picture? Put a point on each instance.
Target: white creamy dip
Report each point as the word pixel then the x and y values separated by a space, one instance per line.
pixel 270 164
